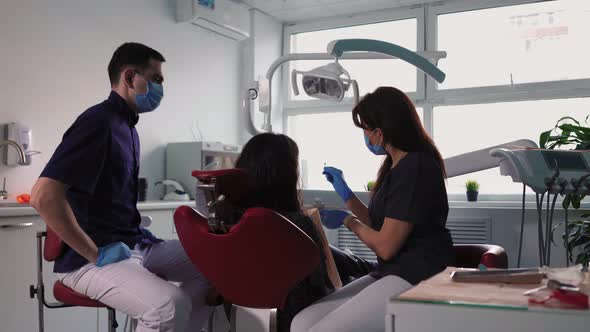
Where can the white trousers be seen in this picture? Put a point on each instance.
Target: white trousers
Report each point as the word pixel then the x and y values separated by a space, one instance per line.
pixel 358 306
pixel 136 288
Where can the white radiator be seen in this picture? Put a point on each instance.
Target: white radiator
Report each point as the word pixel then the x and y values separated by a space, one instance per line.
pixel 463 230
pixel 470 230
pixel 348 240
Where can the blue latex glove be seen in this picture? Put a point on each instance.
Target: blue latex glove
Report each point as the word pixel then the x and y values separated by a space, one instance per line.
pixel 333 219
pixel 112 253
pixel 335 177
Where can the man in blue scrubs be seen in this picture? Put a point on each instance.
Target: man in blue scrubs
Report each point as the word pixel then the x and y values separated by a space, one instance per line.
pixel 87 194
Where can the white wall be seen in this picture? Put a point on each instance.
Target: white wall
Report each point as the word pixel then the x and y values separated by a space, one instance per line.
pixel 53 64
pixel 268 39
pixel 259 52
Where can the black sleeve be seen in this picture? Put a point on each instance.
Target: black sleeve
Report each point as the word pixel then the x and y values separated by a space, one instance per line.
pixel 408 193
pixel 79 158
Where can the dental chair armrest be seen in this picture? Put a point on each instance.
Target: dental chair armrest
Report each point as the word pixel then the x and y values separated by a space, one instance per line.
pixel 471 255
pixel 495 257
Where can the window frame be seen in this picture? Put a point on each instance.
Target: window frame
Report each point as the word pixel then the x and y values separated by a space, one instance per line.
pixel 557 89
pixel 428 96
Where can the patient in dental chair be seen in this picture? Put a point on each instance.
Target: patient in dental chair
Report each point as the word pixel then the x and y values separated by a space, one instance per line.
pixel 271 161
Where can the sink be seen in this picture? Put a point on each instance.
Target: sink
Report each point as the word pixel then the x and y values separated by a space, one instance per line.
pixel 12 204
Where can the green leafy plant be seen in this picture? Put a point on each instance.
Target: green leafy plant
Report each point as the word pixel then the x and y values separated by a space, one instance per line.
pixel 572 134
pixel 578 245
pixel 568 133
pixel 370 185
pixel 471 185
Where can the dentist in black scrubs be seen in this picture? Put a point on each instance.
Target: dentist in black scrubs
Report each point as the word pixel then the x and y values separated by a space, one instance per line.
pixel 404 224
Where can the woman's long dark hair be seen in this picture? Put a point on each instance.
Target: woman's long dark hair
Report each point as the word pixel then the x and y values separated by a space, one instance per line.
pixel 271 161
pixel 392 111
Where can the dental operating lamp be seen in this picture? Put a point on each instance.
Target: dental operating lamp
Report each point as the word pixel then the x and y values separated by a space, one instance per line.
pixel 332 81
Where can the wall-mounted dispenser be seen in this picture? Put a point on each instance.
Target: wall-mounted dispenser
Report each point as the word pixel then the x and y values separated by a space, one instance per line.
pixel 21 135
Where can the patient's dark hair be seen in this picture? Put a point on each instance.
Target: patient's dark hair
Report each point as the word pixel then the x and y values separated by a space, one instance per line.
pixel 271 161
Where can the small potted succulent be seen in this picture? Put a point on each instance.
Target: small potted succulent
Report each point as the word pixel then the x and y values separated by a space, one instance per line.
pixel 472 188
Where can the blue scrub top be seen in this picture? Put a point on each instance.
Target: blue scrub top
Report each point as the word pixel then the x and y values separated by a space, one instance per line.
pixel 98 159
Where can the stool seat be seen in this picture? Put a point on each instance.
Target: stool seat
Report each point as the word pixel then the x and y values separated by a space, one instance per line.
pixel 66 295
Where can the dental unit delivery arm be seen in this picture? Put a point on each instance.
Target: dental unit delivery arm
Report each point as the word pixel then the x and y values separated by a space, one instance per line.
pixel 509 164
pixel 546 172
pixel 482 159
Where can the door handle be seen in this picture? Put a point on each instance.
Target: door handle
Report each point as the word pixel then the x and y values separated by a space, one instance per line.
pixel 16 226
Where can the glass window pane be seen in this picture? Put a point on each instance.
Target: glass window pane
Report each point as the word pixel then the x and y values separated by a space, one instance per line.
pixel 526 43
pixel 333 139
pixel 461 129
pixel 370 74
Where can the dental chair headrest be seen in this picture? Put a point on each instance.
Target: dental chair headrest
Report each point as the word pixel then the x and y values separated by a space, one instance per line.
pixel 233 183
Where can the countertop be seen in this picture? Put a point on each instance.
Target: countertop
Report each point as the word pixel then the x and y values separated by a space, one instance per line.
pixel 27 210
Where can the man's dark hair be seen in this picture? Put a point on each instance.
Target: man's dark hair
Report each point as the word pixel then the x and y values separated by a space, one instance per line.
pixel 131 54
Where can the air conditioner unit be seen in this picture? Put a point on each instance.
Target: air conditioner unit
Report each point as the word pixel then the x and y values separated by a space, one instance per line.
pixel 228 18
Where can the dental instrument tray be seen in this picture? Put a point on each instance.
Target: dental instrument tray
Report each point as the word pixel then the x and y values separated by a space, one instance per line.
pixel 509 276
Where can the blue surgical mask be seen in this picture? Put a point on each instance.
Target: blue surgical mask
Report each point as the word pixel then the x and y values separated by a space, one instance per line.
pixel 151 99
pixel 376 149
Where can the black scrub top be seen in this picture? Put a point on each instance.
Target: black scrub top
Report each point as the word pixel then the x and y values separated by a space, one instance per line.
pixel 98 159
pixel 414 191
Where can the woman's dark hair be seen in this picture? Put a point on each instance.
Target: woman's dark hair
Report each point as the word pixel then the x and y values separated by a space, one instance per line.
pixel 271 161
pixel 392 111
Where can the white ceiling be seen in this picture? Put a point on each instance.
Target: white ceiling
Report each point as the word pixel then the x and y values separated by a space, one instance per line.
pixel 300 10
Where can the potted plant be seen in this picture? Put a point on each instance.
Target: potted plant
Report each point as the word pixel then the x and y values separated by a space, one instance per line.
pixel 568 133
pixel 370 185
pixel 571 133
pixel 472 188
pixel 578 244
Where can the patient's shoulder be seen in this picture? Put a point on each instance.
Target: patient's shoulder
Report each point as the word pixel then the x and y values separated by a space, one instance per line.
pixel 297 217
pixel 301 220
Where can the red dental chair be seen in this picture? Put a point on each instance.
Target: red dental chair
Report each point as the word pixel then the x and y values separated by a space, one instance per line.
pixel 257 261
pixel 471 255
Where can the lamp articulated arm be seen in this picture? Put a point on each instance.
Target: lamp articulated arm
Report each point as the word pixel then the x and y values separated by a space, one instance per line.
pixel 339 47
